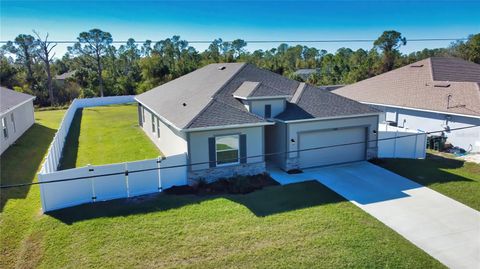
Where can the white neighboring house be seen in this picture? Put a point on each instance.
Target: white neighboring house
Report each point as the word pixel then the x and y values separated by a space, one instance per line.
pixel 438 93
pixel 16 116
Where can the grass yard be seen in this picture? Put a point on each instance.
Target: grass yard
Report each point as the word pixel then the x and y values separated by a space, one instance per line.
pixel 108 134
pixel 301 225
pixel 452 177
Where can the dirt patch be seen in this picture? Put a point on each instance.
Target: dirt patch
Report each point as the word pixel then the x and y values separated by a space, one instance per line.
pixel 31 252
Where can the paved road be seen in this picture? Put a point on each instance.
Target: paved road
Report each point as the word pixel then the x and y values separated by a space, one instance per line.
pixel 444 228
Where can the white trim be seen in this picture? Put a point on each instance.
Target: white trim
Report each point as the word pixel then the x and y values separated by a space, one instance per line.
pixel 162 118
pixel 263 97
pixel 424 110
pixel 206 128
pixel 233 126
pixel 330 118
pixel 15 106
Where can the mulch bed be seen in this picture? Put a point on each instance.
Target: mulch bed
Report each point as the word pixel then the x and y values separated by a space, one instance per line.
pixel 236 185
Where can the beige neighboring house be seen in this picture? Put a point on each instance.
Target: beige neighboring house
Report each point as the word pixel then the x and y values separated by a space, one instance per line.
pixel 438 93
pixel 16 116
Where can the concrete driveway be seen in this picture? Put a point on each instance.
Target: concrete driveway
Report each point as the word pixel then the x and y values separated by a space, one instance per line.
pixel 444 228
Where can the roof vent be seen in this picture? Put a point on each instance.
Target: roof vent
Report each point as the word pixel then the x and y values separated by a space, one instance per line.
pixel 222 67
pixel 184 104
pixel 416 65
pixel 441 84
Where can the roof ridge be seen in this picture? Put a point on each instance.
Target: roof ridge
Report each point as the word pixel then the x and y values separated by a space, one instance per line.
pixel 212 98
pixel 298 92
pixel 228 81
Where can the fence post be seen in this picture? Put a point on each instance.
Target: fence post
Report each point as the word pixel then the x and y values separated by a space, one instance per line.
pixel 43 197
pixel 94 195
pixel 159 161
pixel 395 145
pixel 415 148
pixel 126 180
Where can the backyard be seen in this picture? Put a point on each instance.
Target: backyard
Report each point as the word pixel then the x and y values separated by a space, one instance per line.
pixel 299 225
pixel 103 135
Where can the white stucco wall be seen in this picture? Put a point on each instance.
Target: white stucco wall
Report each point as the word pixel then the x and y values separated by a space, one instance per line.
pixel 294 130
pixel 258 106
pixel 23 117
pixel 171 141
pixel 430 121
pixel 198 145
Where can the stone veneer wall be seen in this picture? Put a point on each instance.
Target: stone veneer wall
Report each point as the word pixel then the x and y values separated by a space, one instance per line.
pixel 215 173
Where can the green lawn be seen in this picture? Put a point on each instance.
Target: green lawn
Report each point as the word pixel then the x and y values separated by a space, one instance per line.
pixel 103 135
pixel 452 177
pixel 301 225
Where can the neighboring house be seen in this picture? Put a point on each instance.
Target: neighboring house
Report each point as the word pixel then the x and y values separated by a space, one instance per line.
pixel 64 77
pixel 306 73
pixel 226 117
pixel 437 93
pixel 16 116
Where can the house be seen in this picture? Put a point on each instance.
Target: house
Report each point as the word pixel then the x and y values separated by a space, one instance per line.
pixel 16 115
pixel 434 94
pixel 62 78
pixel 306 73
pixel 234 118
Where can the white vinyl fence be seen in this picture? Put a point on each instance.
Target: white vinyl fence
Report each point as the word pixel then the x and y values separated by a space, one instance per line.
pixel 123 179
pixel 54 153
pixel 114 181
pixel 401 142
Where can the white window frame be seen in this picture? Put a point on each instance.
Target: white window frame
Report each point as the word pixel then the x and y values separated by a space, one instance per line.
pixel 158 127
pixel 217 151
pixel 154 127
pixel 4 128
pixel 12 118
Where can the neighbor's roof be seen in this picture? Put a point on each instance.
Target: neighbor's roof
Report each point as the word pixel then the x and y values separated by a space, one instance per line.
pixel 205 97
pixel 10 98
pixel 442 84
pixel 65 75
pixel 306 72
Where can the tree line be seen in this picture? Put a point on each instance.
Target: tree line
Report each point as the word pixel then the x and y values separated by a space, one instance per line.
pixel 98 68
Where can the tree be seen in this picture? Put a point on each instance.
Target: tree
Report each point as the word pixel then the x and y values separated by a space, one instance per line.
pixel 389 42
pixel 469 50
pixel 24 49
pixel 95 44
pixel 44 52
pixel 237 46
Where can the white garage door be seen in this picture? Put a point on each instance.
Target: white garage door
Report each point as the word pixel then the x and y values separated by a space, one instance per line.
pixel 333 155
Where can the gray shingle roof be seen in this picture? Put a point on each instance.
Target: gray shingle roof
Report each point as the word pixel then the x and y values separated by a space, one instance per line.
pixel 250 89
pixel 441 84
pixel 208 95
pixel 10 98
pixel 319 103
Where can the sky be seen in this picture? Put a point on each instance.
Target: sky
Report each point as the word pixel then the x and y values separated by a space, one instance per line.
pixel 248 20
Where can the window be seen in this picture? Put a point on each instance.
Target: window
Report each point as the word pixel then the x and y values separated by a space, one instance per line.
pixel 4 128
pixel 153 124
pixel 226 148
pixel 143 114
pixel 13 123
pixel 140 115
pixel 268 111
pixel 158 128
